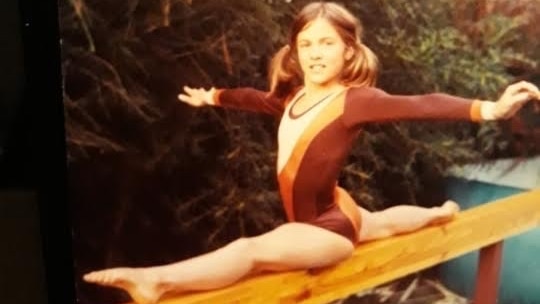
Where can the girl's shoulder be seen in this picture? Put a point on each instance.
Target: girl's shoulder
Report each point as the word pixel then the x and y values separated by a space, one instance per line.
pixel 356 92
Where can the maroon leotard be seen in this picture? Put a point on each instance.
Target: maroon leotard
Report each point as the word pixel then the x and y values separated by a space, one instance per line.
pixel 310 159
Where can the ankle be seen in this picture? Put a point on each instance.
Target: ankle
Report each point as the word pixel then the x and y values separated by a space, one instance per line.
pixel 162 283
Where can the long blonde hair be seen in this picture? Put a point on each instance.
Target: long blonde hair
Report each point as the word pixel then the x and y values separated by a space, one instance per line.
pixel 361 70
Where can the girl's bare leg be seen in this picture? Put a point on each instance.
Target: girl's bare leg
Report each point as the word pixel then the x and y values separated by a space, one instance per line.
pixel 402 219
pixel 288 247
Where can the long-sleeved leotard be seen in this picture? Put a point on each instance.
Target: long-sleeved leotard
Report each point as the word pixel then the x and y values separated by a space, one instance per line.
pixel 314 145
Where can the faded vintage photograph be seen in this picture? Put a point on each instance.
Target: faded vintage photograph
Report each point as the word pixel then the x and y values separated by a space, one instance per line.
pixel 372 148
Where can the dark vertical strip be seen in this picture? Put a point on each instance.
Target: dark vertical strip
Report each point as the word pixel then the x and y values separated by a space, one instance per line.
pixel 13 132
pixel 44 108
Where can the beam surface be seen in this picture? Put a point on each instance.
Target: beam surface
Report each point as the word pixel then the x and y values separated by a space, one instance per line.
pixel 378 262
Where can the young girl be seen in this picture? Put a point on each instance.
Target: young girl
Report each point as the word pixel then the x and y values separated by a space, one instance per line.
pixel 321 88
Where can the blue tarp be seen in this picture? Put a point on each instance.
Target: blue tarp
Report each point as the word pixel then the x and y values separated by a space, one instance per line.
pixel 520 277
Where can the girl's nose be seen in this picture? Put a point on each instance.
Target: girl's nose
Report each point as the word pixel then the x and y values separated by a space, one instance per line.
pixel 315 52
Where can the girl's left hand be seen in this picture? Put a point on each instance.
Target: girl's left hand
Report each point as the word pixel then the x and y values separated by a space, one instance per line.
pixel 513 98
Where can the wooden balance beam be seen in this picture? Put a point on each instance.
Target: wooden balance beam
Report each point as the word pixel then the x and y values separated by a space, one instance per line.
pixel 374 263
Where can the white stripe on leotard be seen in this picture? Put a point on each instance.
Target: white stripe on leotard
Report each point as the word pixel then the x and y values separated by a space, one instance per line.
pixel 290 130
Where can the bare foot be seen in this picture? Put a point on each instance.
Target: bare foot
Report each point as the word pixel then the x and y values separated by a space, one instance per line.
pixel 446 212
pixel 140 284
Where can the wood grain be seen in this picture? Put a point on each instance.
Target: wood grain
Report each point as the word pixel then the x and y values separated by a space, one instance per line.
pixel 382 261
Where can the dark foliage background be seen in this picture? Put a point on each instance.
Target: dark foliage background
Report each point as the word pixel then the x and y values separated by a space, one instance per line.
pixel 153 181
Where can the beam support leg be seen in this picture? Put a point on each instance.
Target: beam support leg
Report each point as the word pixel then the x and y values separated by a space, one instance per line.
pixel 488 275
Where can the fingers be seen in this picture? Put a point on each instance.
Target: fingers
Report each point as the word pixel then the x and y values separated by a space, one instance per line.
pixel 190 90
pixel 521 97
pixel 519 100
pixel 189 94
pixel 522 86
pixel 513 99
pixel 183 97
pixel 194 92
pixel 196 97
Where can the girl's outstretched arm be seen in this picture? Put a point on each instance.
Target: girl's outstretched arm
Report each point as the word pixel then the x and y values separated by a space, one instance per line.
pixel 248 99
pixel 364 105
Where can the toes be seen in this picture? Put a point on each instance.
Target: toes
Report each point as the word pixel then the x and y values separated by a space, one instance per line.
pixel 140 288
pixel 452 206
pixel 90 277
pixel 100 277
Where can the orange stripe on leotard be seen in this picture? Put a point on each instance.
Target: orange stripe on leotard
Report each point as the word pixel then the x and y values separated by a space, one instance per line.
pixel 348 206
pixel 287 175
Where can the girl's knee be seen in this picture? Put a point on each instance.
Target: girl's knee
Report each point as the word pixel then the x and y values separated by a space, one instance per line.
pixel 243 245
pixel 264 256
pixel 247 248
pixel 257 250
pixel 254 249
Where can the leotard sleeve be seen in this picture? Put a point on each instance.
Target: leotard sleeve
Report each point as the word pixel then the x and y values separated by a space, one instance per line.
pixel 366 104
pixel 248 99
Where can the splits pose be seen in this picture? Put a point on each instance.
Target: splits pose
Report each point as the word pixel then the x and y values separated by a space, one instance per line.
pixel 322 90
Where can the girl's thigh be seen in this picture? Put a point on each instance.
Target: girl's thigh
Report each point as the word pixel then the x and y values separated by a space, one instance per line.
pixel 299 246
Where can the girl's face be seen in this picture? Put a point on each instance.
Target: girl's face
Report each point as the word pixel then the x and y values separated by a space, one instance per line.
pixel 321 53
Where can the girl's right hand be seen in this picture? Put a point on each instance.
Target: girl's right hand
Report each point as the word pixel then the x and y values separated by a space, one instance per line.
pixel 197 97
pixel 513 98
